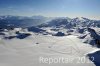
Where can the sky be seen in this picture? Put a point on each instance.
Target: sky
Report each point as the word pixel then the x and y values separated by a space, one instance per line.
pixel 51 8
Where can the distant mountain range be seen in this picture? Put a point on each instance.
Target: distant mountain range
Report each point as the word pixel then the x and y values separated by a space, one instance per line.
pixel 41 21
pixel 21 21
pixel 72 23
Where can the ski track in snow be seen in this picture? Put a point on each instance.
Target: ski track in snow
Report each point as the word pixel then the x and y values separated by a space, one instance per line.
pixel 26 52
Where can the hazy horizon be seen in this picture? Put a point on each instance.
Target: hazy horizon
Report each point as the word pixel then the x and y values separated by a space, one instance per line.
pixel 51 8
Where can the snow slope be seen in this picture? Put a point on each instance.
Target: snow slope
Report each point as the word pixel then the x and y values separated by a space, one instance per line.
pixel 27 51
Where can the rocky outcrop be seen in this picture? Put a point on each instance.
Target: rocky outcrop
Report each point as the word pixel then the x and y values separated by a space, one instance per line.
pixel 95 36
pixel 59 34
